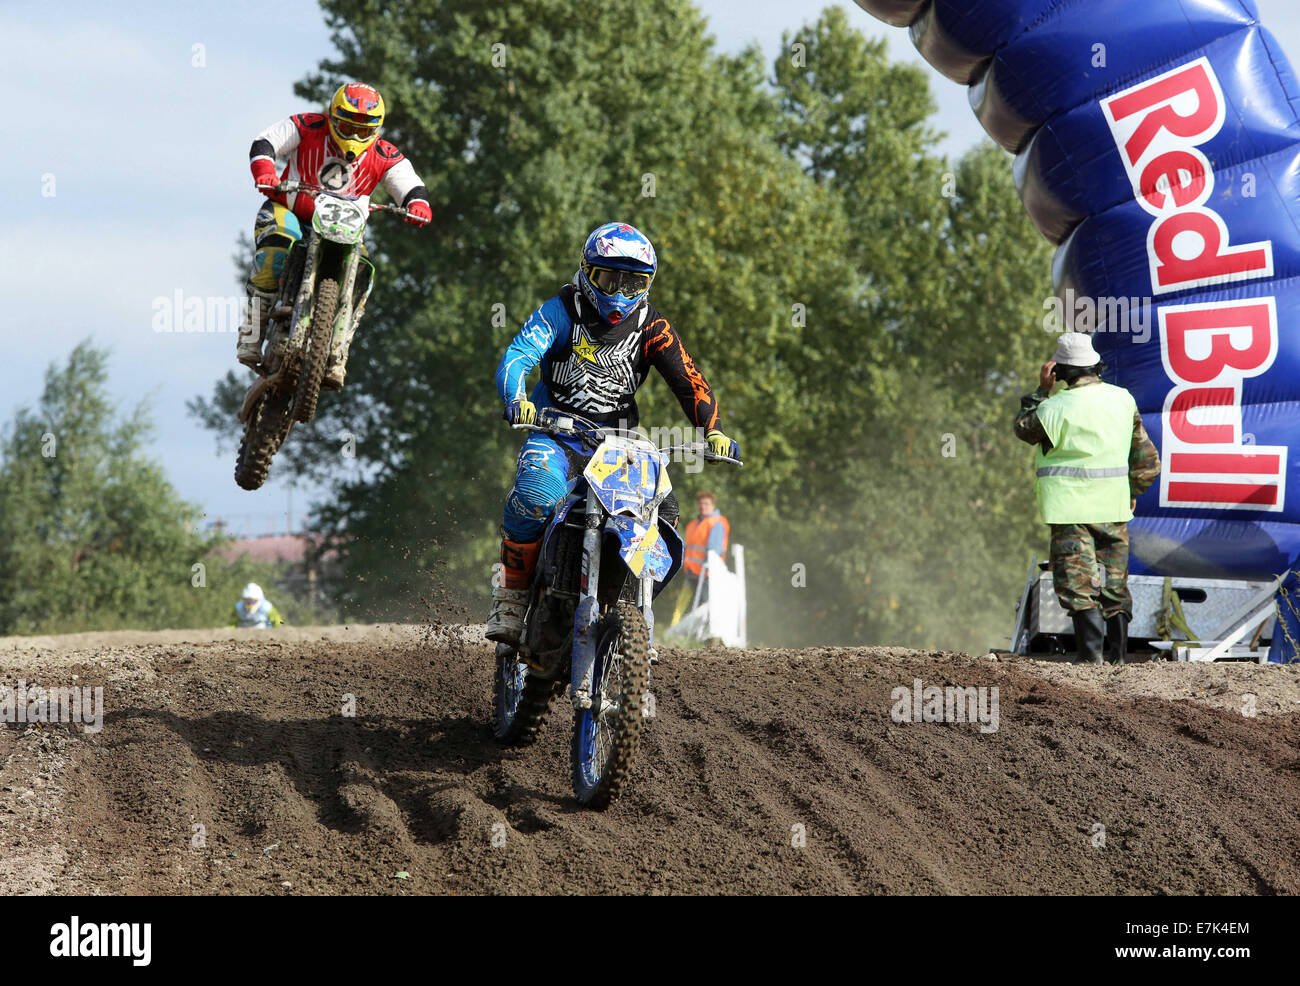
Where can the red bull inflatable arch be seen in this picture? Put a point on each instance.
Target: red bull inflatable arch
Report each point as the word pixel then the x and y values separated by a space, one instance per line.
pixel 1157 144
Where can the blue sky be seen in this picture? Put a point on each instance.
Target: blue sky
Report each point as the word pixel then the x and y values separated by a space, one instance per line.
pixel 145 206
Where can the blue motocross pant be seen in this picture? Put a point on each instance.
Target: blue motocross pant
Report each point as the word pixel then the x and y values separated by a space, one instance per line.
pixel 549 468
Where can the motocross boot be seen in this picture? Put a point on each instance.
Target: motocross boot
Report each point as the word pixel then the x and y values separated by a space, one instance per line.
pixel 1089 632
pixel 510 599
pixel 1117 637
pixel 253 330
pixel 506 621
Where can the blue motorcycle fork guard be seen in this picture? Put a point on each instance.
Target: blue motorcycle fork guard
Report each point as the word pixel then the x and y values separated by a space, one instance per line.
pixel 588 612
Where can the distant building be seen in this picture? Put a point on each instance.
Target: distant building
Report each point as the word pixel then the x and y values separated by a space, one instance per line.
pixel 301 570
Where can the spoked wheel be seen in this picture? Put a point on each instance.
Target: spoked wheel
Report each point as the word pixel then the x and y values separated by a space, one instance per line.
pixel 266 429
pixel 606 736
pixel 520 700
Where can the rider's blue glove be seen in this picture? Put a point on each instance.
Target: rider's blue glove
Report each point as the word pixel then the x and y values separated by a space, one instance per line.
pixel 720 444
pixel 521 412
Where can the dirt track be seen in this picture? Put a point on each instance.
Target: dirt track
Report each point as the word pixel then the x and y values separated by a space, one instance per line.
pixel 243 736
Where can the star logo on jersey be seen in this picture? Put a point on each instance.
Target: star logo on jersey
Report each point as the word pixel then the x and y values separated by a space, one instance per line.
pixel 584 348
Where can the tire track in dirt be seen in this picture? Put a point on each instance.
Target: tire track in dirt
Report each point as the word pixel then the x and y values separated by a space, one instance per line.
pixel 245 737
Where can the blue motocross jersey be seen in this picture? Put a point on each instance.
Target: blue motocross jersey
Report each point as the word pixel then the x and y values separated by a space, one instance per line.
pixel 594 369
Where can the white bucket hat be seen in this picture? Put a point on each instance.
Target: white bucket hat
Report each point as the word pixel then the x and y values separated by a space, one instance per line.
pixel 1075 349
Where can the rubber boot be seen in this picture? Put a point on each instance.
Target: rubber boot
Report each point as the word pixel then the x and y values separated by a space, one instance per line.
pixel 1117 637
pixel 506 621
pixel 253 330
pixel 1089 633
pixel 510 599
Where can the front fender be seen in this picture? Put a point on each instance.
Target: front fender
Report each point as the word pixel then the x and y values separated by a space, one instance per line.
pixel 676 548
pixel 646 550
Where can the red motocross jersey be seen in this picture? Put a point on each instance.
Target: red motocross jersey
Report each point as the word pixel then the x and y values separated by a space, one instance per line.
pixel 304 139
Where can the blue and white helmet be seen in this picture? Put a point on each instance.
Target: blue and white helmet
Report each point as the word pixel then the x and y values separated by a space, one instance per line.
pixel 618 264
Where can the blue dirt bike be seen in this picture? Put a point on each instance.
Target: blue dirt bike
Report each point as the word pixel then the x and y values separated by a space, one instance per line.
pixel 603 554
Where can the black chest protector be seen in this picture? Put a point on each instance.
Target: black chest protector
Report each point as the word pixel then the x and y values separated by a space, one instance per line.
pixel 594 369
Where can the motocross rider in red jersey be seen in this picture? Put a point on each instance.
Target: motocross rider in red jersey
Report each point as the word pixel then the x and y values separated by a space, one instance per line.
pixel 340 151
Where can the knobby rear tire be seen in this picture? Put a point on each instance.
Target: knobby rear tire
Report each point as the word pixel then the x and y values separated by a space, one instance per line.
pixel 267 427
pixel 524 724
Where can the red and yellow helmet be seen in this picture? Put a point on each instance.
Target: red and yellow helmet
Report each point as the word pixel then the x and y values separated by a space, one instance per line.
pixel 356 113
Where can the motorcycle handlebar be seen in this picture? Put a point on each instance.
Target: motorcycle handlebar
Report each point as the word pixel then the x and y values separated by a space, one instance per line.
pixel 701 448
pixel 284 187
pixel 706 450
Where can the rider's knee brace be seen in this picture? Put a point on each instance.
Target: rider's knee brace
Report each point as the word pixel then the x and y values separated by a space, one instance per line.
pixel 536 494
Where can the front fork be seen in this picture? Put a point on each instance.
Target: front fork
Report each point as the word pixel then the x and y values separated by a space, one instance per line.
pixel 349 314
pixel 583 663
pixel 588 609
pixel 646 596
pixel 346 316
pixel 282 331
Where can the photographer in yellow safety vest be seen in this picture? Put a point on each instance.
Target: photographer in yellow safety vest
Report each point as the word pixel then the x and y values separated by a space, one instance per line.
pixel 1094 460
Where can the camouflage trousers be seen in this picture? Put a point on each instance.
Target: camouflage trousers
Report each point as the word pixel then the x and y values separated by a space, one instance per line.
pixel 1090 568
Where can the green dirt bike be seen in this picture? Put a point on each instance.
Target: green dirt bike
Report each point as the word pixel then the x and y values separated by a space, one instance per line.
pixel 323 290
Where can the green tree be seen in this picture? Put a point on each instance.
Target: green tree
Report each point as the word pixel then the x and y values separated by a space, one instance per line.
pixel 926 529
pixel 92 536
pixel 853 297
pixel 532 124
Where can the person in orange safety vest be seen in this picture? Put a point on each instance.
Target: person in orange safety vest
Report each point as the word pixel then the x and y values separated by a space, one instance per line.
pixel 710 531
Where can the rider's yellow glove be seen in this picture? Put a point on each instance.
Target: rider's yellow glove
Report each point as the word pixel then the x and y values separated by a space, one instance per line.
pixel 720 444
pixel 521 412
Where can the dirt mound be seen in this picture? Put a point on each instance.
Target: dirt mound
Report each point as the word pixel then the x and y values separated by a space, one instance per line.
pixel 227 764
